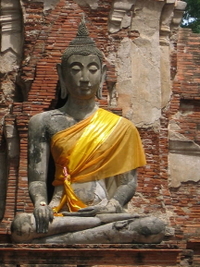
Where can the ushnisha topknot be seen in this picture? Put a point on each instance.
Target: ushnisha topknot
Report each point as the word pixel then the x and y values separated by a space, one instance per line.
pixel 82 44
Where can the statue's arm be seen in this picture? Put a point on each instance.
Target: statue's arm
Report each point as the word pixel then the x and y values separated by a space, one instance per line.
pixel 123 194
pixel 127 188
pixel 38 156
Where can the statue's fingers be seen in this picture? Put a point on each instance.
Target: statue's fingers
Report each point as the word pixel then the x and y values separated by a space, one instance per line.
pixel 40 225
pixel 51 217
pixel 45 225
pixel 41 216
pixel 37 221
pixel 44 221
pixel 37 224
pixel 48 218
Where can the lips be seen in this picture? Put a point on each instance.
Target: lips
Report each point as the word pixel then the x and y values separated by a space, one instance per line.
pixel 85 88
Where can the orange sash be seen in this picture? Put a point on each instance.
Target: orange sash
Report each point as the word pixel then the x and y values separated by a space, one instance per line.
pixel 98 147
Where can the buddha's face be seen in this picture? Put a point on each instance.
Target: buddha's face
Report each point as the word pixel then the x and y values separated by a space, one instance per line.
pixel 82 76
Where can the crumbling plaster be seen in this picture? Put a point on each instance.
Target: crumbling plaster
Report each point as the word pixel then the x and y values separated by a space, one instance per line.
pixel 139 95
pixel 10 47
pixel 183 168
pixel 48 4
pixel 11 44
pixel 143 64
pixel 184 156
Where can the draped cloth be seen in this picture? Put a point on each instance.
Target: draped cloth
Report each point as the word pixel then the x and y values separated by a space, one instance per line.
pixel 95 148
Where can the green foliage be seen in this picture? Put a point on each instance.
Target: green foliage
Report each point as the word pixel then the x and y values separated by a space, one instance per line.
pixel 191 18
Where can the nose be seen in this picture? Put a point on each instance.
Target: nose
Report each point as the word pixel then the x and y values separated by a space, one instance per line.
pixel 84 76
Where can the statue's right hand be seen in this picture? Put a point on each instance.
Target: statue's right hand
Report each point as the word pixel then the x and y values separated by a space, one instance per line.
pixel 43 216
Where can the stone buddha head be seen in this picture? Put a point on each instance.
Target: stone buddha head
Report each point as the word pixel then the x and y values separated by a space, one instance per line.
pixel 81 72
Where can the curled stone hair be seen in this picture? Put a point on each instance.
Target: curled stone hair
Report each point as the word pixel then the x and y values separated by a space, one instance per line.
pixel 81 45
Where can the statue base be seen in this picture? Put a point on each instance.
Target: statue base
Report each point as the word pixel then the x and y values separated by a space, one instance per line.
pixel 126 254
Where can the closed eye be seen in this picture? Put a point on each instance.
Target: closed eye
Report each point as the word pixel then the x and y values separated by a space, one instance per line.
pixel 75 69
pixel 93 68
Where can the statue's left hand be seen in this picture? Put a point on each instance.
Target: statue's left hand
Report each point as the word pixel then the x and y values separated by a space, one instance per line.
pixel 43 216
pixel 113 206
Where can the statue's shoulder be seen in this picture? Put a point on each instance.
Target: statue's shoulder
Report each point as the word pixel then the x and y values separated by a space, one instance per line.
pixel 49 122
pixel 128 123
pixel 44 117
pixel 122 120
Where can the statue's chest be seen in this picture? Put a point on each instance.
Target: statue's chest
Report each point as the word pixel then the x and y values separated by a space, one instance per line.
pixel 91 193
pixel 85 191
pixel 59 123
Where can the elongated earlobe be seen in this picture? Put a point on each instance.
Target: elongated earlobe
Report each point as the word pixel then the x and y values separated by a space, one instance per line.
pixel 103 77
pixel 62 83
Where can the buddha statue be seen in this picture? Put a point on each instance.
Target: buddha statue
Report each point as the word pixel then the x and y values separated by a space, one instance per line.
pixel 96 155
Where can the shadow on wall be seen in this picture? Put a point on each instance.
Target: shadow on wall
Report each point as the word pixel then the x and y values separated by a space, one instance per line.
pixel 3 176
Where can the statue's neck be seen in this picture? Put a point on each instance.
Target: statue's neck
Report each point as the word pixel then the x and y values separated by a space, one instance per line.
pixel 79 109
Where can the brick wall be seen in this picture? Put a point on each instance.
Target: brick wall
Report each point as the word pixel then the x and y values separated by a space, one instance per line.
pixel 186 100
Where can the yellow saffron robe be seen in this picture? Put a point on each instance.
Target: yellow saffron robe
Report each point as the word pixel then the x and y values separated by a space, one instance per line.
pixel 101 146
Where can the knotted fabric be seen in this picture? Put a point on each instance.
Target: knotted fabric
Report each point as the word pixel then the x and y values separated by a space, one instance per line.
pixel 97 147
